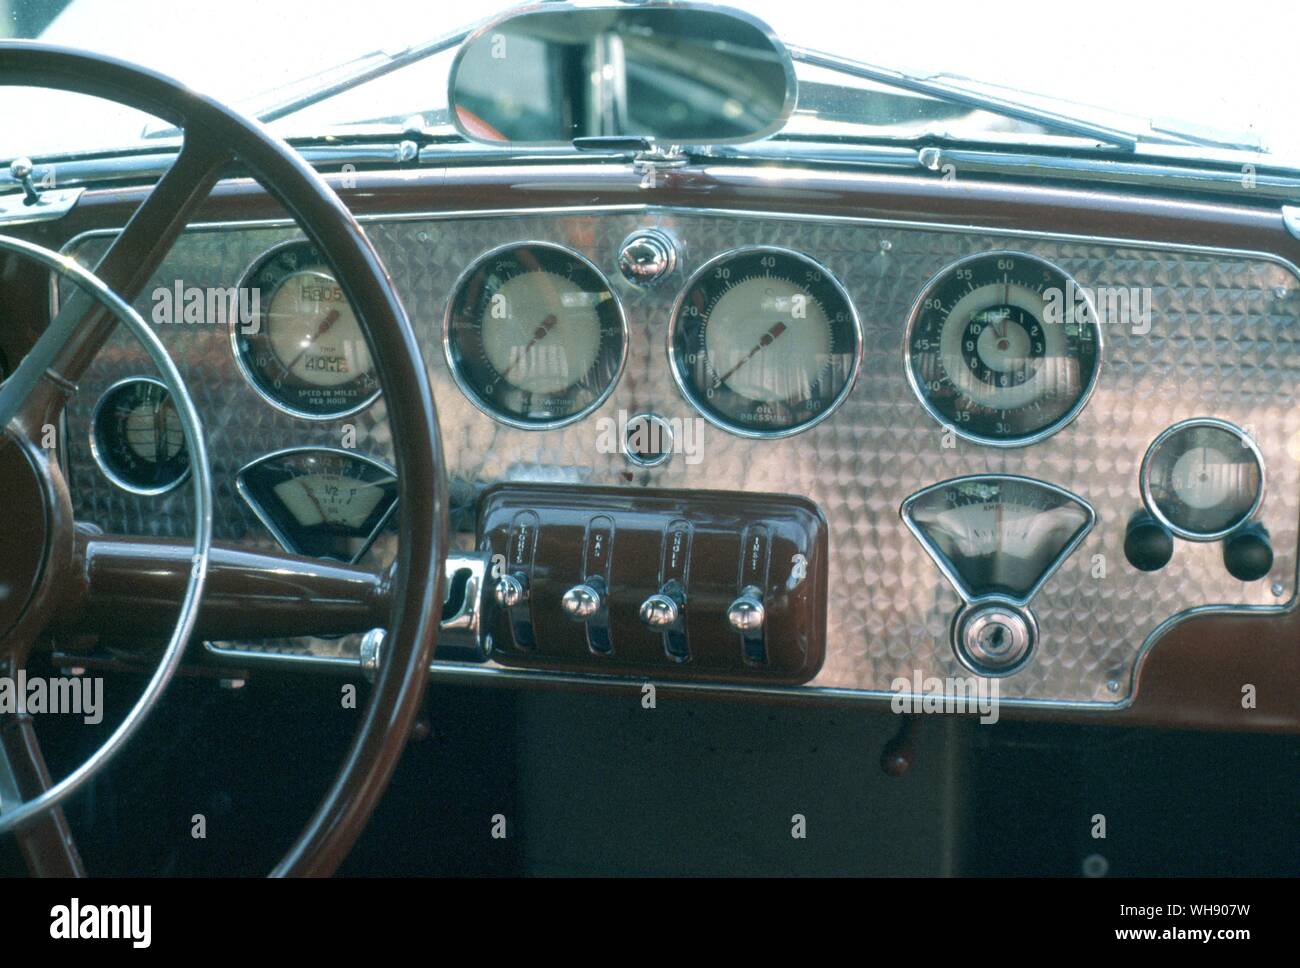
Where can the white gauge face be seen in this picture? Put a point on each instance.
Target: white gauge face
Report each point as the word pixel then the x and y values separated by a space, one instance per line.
pixel 1203 479
pixel 768 340
pixel 313 331
pixel 541 332
pixel 315 499
pixel 153 431
pixel 1000 326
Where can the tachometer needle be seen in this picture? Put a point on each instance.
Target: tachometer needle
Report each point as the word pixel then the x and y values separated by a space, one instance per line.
pixel 764 341
pixel 330 319
pixel 539 334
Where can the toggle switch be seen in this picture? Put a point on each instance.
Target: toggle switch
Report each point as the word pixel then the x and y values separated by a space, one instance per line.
pixel 660 611
pixel 746 613
pixel 582 602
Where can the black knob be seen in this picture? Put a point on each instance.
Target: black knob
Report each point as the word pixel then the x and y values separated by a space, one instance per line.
pixel 1247 555
pixel 1148 545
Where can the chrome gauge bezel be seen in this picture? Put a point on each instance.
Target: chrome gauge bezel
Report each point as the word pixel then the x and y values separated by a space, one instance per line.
pixel 269 523
pixel 688 392
pixel 97 454
pixel 1022 440
pixel 246 369
pixel 466 386
pixel 1144 477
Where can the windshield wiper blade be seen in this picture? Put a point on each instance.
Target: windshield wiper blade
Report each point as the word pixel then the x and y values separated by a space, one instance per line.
pixel 945 90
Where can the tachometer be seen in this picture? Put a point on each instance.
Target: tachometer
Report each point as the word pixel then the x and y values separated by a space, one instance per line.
pixel 534 336
pixel 305 352
pixel 137 438
pixel 1003 348
pixel 764 342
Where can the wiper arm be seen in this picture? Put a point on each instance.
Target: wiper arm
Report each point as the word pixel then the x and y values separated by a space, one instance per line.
pixel 945 90
pixel 360 70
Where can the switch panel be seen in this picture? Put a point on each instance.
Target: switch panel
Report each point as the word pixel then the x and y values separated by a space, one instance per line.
pixel 701 585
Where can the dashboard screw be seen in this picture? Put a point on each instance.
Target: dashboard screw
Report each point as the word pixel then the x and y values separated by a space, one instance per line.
pixel 1280 292
pixel 1112 685
pixel 886 245
pixel 1278 589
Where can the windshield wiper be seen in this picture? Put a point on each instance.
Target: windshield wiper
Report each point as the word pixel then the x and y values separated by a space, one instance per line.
pixel 946 87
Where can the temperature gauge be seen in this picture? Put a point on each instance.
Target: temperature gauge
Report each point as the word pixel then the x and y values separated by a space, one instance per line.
pixel 1202 478
pixel 320 502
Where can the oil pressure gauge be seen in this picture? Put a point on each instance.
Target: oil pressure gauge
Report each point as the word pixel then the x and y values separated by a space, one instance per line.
pixel 1203 478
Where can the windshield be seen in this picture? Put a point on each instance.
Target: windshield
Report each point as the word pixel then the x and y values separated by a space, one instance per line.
pixel 1223 75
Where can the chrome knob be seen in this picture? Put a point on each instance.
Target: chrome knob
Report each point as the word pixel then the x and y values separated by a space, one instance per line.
pixel 20 169
pixel 746 613
pixel 659 611
pixel 509 591
pixel 581 602
pixel 646 257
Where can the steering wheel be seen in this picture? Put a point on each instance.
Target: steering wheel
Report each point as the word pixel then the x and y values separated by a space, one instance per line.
pixel 59 575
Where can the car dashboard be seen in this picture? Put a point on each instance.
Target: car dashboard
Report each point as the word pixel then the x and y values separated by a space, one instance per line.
pixel 1043 530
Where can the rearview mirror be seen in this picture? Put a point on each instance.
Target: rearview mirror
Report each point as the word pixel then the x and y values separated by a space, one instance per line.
pixel 676 73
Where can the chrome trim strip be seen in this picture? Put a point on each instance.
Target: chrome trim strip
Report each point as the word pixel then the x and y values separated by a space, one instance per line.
pixel 99 457
pixel 269 523
pixel 1144 476
pixel 689 394
pixel 1025 440
pixel 463 382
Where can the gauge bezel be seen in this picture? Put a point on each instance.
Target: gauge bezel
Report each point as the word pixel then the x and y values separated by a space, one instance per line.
pixel 721 422
pixel 1022 440
pixel 1144 477
pixel 968 595
pixel 274 529
pixel 98 457
pixel 466 386
pixel 246 369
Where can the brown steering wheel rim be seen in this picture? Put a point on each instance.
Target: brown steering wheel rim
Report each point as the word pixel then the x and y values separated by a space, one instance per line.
pixel 421 511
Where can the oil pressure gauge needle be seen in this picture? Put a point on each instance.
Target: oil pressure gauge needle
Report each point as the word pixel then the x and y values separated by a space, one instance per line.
pixel 766 340
pixel 539 334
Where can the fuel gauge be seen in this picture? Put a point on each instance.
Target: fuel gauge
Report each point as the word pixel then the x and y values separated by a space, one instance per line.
pixel 320 502
pixel 1202 478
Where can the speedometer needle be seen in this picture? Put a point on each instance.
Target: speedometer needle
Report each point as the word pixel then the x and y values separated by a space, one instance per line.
pixel 539 334
pixel 764 341
pixel 330 319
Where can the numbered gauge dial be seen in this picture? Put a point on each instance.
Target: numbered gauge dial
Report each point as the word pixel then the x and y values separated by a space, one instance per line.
pixel 302 346
pixel 137 437
pixel 1203 478
pixel 319 502
pixel 534 336
pixel 1003 348
pixel 764 342
pixel 996 534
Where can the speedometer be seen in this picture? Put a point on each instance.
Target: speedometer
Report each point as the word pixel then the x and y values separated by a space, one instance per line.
pixel 764 342
pixel 305 352
pixel 1004 348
